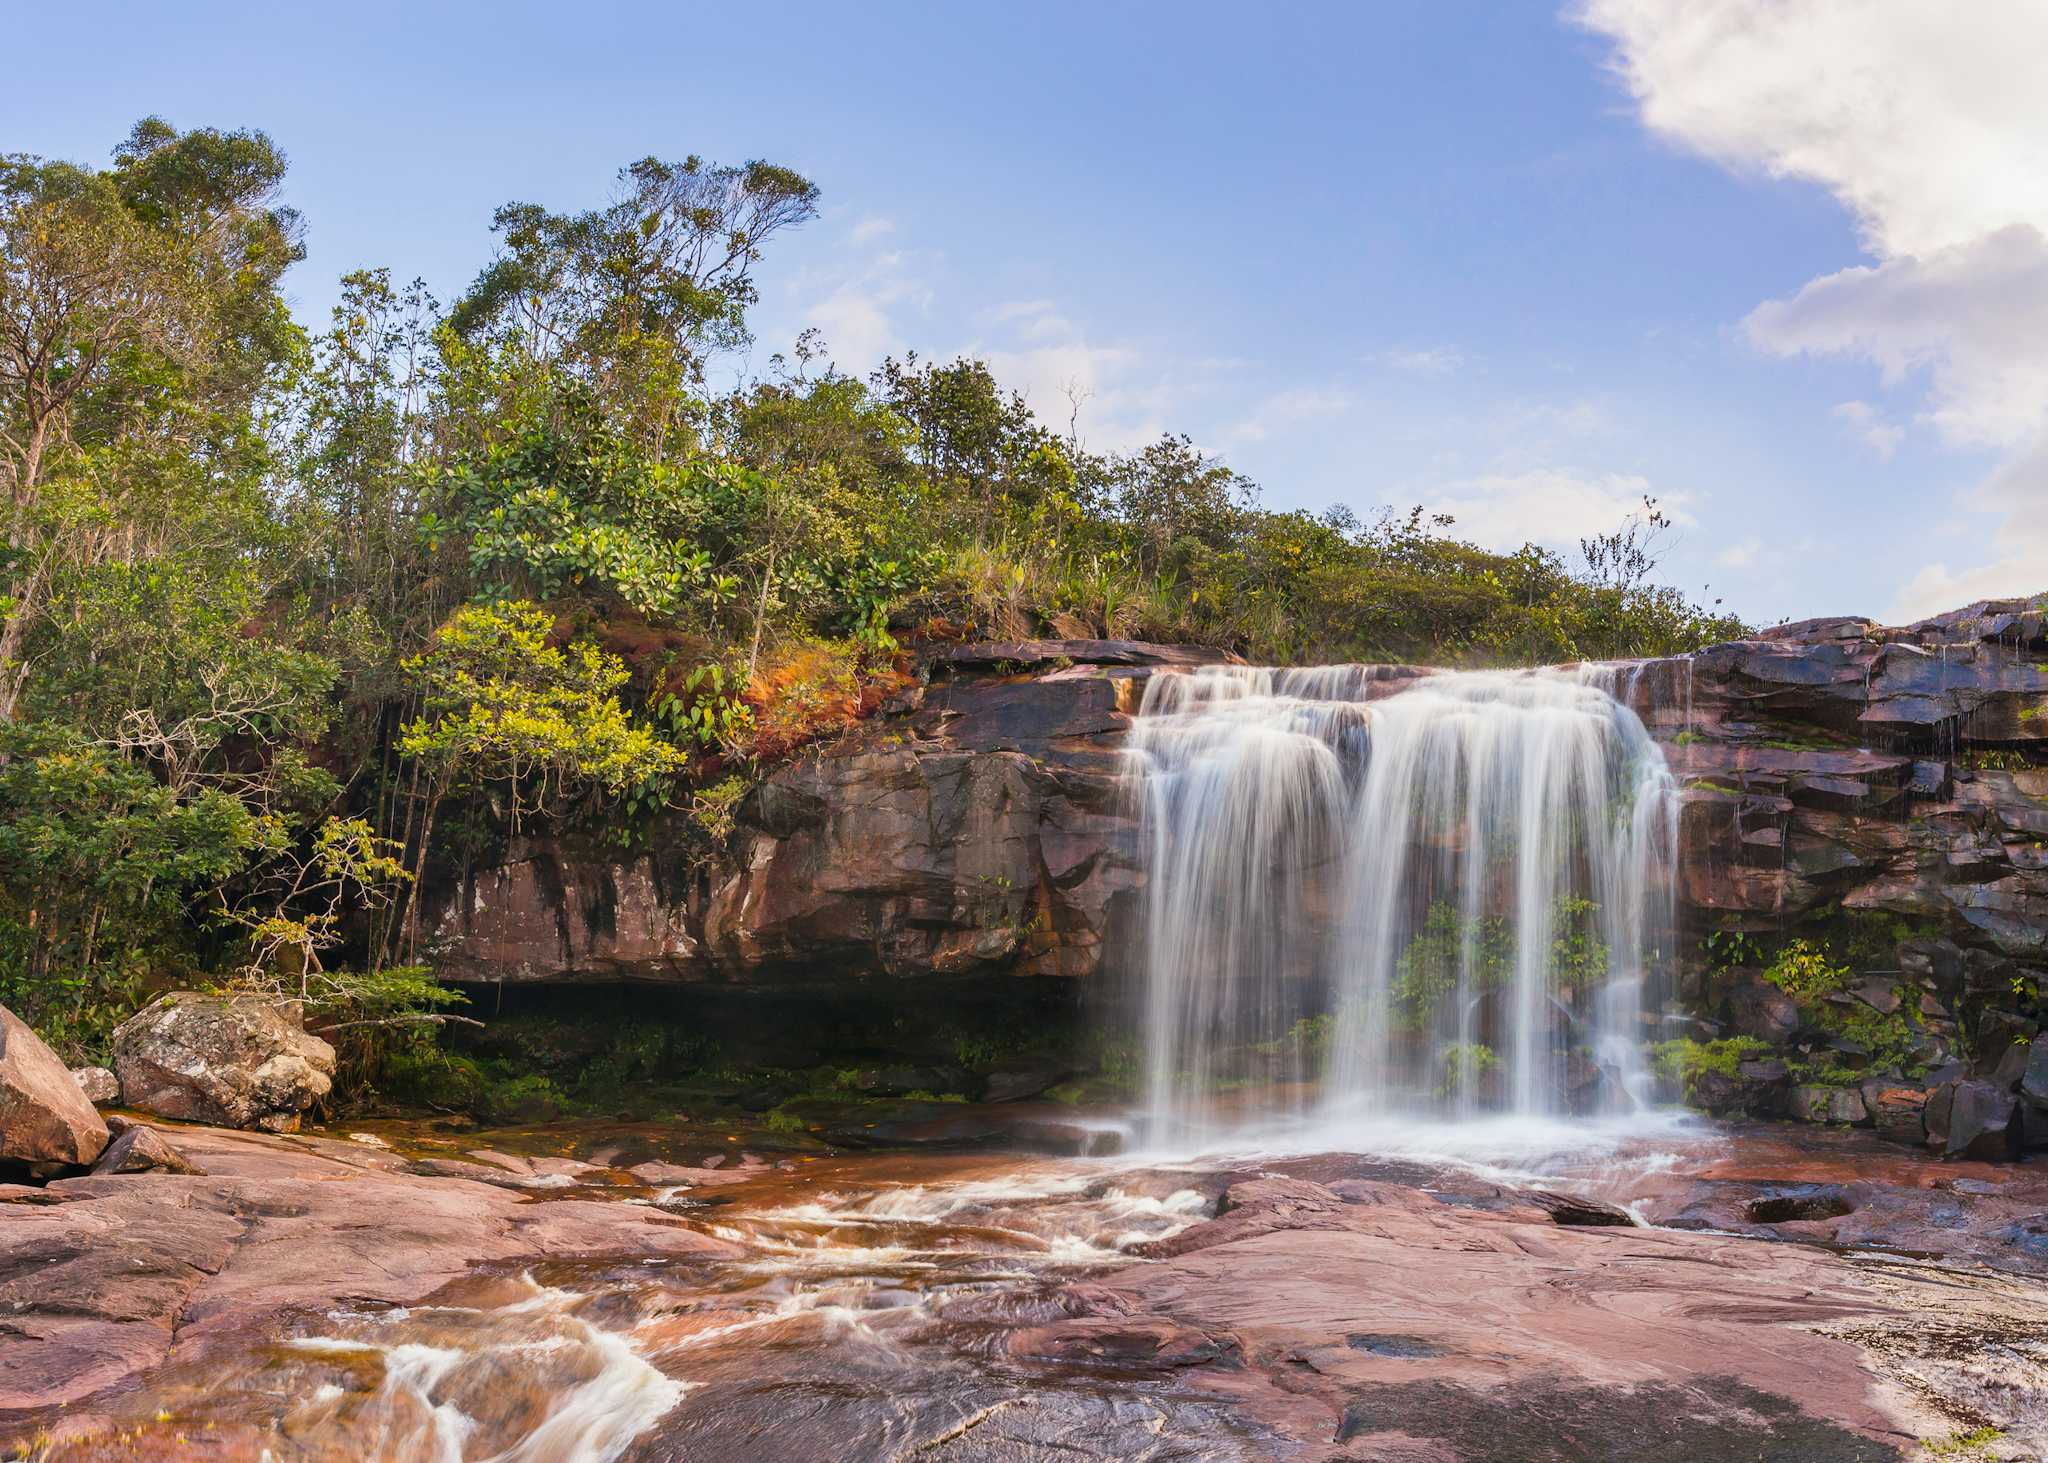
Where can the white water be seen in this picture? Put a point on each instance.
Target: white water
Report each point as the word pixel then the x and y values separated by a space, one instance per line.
pixel 1455 897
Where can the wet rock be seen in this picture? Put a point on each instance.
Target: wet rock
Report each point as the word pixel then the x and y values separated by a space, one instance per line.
pixel 1758 1088
pixel 1897 1109
pixel 1812 1103
pixel 100 1086
pixel 2034 1081
pixel 116 1273
pixel 141 1149
pixel 1124 1342
pixel 1576 1209
pixel 239 1061
pixel 1759 1009
pixel 1014 1081
pixel 1977 1120
pixel 45 1118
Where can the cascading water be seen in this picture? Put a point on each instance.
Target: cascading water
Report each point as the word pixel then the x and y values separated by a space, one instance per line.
pixel 1371 892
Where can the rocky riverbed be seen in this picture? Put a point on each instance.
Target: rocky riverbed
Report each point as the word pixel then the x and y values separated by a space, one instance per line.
pixel 1692 1291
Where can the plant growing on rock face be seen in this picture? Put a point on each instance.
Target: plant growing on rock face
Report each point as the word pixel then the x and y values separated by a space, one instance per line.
pixel 1804 971
pixel 1483 950
pixel 1683 1062
pixel 1465 1066
pixel 500 705
pixel 1732 947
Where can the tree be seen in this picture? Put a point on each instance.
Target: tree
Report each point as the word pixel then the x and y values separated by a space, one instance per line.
pixel 500 705
pixel 632 297
pixel 138 318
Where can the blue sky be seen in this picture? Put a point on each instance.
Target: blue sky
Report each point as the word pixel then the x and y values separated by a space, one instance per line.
pixel 1508 261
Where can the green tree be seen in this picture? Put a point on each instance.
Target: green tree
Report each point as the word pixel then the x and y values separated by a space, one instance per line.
pixel 502 706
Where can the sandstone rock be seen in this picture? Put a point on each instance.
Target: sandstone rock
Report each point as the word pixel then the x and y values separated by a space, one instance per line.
pixel 141 1149
pixel 99 1084
pixel 1897 1110
pixel 1977 1121
pixel 1576 1209
pixel 1761 1010
pixel 240 1061
pixel 44 1116
pixel 1013 1081
pixel 2034 1082
pixel 1821 1104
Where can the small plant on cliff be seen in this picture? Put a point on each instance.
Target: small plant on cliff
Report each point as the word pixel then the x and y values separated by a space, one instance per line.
pixel 1805 972
pixel 1732 947
pixel 716 808
pixel 1465 1065
pixel 1683 1062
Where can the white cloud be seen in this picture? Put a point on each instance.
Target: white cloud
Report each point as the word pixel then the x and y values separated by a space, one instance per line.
pixel 858 312
pixel 1551 506
pixel 870 229
pixel 1290 408
pixel 1741 555
pixel 1433 360
pixel 1873 427
pixel 1926 122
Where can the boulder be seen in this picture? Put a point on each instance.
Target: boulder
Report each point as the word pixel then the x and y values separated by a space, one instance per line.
pixel 1757 1089
pixel 1761 1010
pixel 2034 1081
pixel 141 1149
pixel 1898 1110
pixel 1977 1121
pixel 1814 1103
pixel 99 1084
pixel 44 1117
pixel 241 1061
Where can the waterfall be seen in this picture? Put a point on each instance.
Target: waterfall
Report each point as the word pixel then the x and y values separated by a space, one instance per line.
pixel 1372 891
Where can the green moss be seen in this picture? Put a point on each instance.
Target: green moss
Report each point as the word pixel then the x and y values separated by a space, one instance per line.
pixel 782 1120
pixel 1971 1444
pixel 1683 1062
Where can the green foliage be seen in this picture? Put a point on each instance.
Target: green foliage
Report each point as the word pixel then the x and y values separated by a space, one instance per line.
pixel 715 809
pixel 1483 951
pixel 1804 971
pixel 1732 947
pixel 501 704
pixel 1682 1062
pixel 1464 1068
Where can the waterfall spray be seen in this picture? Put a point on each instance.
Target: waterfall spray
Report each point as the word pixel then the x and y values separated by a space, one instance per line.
pixel 1367 894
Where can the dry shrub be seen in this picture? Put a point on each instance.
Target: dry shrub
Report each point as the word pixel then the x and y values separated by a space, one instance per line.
pixel 804 689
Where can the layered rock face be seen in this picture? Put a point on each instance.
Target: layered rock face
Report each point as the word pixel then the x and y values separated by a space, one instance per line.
pixel 1888 786
pixel 977 825
pixel 1896 770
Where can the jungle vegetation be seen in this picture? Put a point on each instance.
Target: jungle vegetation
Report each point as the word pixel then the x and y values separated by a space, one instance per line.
pixel 287 614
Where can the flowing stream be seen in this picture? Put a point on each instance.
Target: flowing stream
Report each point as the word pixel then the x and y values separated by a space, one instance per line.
pixel 1370 893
